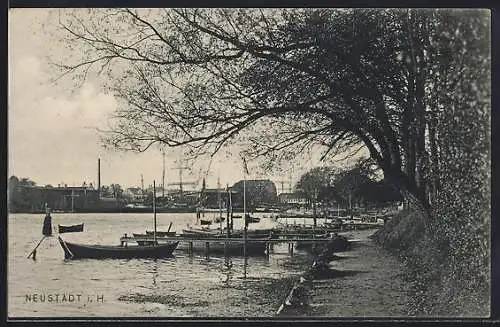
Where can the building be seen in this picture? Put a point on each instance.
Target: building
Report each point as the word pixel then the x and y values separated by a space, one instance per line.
pixel 292 199
pixel 134 194
pixel 62 198
pixel 259 193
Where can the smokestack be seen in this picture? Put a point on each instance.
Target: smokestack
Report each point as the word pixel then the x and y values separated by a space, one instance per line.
pixel 99 176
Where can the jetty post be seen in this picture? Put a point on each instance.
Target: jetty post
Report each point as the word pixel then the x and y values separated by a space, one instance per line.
pixel 268 244
pixel 245 171
pixel 228 205
pixel 190 247
pixel 207 249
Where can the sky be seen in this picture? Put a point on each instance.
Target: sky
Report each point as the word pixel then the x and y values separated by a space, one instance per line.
pixel 53 137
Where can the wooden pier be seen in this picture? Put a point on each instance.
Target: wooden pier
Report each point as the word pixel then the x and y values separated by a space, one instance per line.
pixel 232 245
pixel 127 239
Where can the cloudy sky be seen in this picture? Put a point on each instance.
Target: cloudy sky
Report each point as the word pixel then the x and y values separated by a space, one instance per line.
pixel 52 131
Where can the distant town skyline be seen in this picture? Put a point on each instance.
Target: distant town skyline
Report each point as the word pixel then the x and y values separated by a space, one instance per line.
pixel 52 136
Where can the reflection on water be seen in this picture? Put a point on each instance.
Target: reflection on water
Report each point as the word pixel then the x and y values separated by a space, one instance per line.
pixel 185 285
pixel 227 271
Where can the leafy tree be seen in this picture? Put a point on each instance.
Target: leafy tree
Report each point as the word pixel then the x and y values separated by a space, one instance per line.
pixel 257 193
pixel 378 193
pixel 106 191
pixel 116 190
pixel 22 195
pixel 348 182
pixel 412 87
pixel 317 185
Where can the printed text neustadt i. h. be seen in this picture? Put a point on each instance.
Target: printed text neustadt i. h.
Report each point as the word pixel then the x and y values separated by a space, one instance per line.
pixel 63 298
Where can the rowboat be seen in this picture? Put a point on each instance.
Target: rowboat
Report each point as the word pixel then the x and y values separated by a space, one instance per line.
pixel 70 229
pixel 160 233
pixel 142 243
pixel 123 251
pixel 251 219
pixel 79 251
pixel 200 232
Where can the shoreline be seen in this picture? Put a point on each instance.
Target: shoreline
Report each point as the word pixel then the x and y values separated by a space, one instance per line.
pixel 358 283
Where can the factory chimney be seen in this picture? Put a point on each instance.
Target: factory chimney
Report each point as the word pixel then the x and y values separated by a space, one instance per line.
pixel 99 177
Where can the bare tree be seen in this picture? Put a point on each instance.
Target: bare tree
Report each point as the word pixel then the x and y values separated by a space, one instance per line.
pixel 283 80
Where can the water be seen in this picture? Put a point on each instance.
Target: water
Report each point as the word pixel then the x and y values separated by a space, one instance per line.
pixel 181 286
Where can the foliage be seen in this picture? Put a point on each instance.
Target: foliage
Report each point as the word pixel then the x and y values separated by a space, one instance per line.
pixel 317 184
pixel 283 80
pixel 22 196
pixel 378 193
pixel 258 193
pixel 358 183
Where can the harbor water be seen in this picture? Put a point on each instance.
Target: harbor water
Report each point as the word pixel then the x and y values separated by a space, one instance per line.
pixel 182 286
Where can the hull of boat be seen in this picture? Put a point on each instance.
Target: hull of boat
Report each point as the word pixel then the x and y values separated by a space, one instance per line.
pixel 160 233
pixel 205 222
pixel 257 233
pixel 80 251
pixel 229 248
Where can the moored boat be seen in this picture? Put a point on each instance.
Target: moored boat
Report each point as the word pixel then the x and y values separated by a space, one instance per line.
pixel 251 219
pixel 142 243
pixel 205 222
pixel 222 247
pixel 79 251
pixel 160 233
pixel 70 229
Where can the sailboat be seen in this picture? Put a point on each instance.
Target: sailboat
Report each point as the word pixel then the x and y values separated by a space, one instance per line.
pixel 82 251
pixel 226 245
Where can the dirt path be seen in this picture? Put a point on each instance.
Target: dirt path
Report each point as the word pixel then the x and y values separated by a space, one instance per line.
pixel 370 285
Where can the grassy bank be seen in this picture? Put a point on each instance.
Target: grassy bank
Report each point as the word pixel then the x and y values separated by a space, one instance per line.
pixel 445 267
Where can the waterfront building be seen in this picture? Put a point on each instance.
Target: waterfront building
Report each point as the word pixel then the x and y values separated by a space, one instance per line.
pixel 259 192
pixel 294 198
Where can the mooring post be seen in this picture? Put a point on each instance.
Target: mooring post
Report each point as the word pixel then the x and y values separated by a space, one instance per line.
pixel 207 248
pixel 190 247
pixel 291 249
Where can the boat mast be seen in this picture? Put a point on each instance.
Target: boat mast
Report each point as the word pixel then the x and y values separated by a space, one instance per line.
pixel 154 211
pixel 72 200
pixel 245 171
pixel 220 205
pixel 142 186
pixel 228 205
pixel 99 178
pixel 163 179
pixel 231 207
